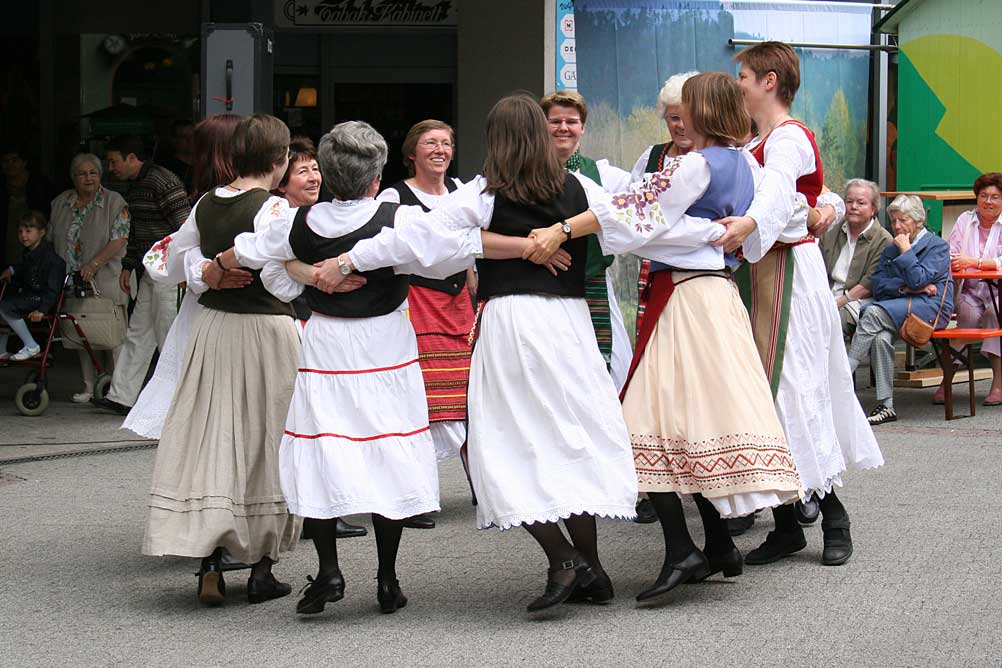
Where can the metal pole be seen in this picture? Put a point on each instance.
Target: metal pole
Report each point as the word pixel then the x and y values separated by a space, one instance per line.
pixel 819 45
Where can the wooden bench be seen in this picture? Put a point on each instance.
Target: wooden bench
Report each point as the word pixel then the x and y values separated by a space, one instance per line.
pixel 948 355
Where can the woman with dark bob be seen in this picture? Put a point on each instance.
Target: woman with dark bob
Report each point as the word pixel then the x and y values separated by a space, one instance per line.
pixel 697 402
pixel 547 441
pixel 216 479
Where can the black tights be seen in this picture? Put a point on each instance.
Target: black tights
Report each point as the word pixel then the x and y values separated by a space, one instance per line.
pixel 786 516
pixel 678 541
pixel 387 543
pixel 583 541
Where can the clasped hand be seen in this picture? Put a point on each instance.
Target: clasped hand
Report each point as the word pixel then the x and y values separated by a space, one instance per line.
pixel 543 247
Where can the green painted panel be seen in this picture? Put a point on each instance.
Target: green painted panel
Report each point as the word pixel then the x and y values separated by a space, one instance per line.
pixel 926 161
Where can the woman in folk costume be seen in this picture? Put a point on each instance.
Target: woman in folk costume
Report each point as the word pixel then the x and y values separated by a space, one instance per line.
pixel 697 403
pixel 216 479
pixel 796 324
pixel 566 114
pixel 441 310
pixel 547 439
pixel 357 436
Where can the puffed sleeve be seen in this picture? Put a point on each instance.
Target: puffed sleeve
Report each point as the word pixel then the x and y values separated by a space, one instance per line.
pixel 652 213
pixel 614 179
pixel 193 263
pixel 279 283
pixel 389 195
pixel 428 244
pixel 270 240
pixel 164 262
pixel 834 200
pixel 640 166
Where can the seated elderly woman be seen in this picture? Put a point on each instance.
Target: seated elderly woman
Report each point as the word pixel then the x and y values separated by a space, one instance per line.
pixel 852 250
pixel 976 245
pixel 912 276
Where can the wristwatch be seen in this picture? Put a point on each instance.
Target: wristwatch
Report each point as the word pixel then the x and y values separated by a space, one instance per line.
pixel 567 229
pixel 342 264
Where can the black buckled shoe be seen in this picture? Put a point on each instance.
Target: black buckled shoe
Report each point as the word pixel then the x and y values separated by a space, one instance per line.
pixel 211 586
pixel 389 595
pixel 260 590
pixel 599 591
pixel 807 511
pixel 838 542
pixel 739 525
pixel 645 512
pixel 319 593
pixel 693 568
pixel 777 546
pixel 555 592
pixel 731 564
pixel 345 530
pixel 882 414
pixel 422 521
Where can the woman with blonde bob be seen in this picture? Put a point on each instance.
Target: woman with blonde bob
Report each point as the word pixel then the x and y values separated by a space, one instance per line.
pixel 697 402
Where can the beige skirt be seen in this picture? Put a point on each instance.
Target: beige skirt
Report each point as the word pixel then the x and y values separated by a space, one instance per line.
pixel 216 478
pixel 699 408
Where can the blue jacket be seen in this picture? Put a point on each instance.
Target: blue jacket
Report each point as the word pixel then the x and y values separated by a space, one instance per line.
pixel 928 261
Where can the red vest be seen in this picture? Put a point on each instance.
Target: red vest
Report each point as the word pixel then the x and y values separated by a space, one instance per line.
pixel 809 185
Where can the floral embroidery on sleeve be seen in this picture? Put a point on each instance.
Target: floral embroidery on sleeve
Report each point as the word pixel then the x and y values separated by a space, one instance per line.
pixel 640 207
pixel 156 258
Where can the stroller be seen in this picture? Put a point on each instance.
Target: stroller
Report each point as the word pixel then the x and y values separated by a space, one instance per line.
pixel 32 398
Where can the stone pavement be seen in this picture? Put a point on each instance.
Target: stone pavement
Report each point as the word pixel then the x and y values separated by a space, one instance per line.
pixel 920 590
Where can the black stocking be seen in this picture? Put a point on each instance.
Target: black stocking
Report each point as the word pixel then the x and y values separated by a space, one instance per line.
pixel 831 507
pixel 465 458
pixel 786 519
pixel 325 540
pixel 556 546
pixel 387 543
pixel 718 538
pixel 678 542
pixel 584 536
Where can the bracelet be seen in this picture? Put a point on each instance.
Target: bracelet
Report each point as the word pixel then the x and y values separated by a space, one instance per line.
pixel 220 263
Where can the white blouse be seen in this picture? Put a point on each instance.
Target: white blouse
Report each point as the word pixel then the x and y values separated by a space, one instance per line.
pixel 179 258
pixel 428 244
pixel 430 201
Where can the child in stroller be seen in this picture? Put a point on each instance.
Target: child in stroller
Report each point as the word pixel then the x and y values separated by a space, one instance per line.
pixel 33 285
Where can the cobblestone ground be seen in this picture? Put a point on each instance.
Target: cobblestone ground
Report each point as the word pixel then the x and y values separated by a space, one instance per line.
pixel 920 590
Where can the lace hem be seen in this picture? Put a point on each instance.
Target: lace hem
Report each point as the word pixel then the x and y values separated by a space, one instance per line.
pixel 557 514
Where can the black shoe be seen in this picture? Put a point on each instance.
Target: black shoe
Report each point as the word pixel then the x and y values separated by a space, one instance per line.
pixel 599 591
pixel 318 593
pixel 731 564
pixel 109 405
pixel 260 590
pixel 739 525
pixel 211 586
pixel 422 521
pixel 776 546
pixel 345 530
pixel 808 511
pixel 693 568
pixel 555 592
pixel 838 542
pixel 882 414
pixel 645 512
pixel 389 595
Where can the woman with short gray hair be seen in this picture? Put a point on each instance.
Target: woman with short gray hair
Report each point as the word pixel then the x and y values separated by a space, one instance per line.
pixel 357 436
pixel 912 276
pixel 669 107
pixel 90 228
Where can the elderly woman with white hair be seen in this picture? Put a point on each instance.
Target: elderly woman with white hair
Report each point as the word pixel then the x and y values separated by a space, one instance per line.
pixel 852 250
pixel 357 436
pixel 669 107
pixel 912 276
pixel 90 228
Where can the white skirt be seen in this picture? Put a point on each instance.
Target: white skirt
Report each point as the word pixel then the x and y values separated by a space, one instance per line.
pixel 150 410
pixel 825 426
pixel 547 438
pixel 357 438
pixel 448 437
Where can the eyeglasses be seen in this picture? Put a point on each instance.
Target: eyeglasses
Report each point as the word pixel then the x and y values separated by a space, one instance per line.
pixel 431 145
pixel 994 199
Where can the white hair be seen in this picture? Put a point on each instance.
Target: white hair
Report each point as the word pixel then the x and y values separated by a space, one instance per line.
pixel 671 92
pixel 81 158
pixel 908 205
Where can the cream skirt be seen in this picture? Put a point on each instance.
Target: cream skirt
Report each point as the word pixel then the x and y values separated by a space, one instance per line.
pixel 216 478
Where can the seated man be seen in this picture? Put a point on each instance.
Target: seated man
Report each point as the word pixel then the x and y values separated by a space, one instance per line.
pixel 852 251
